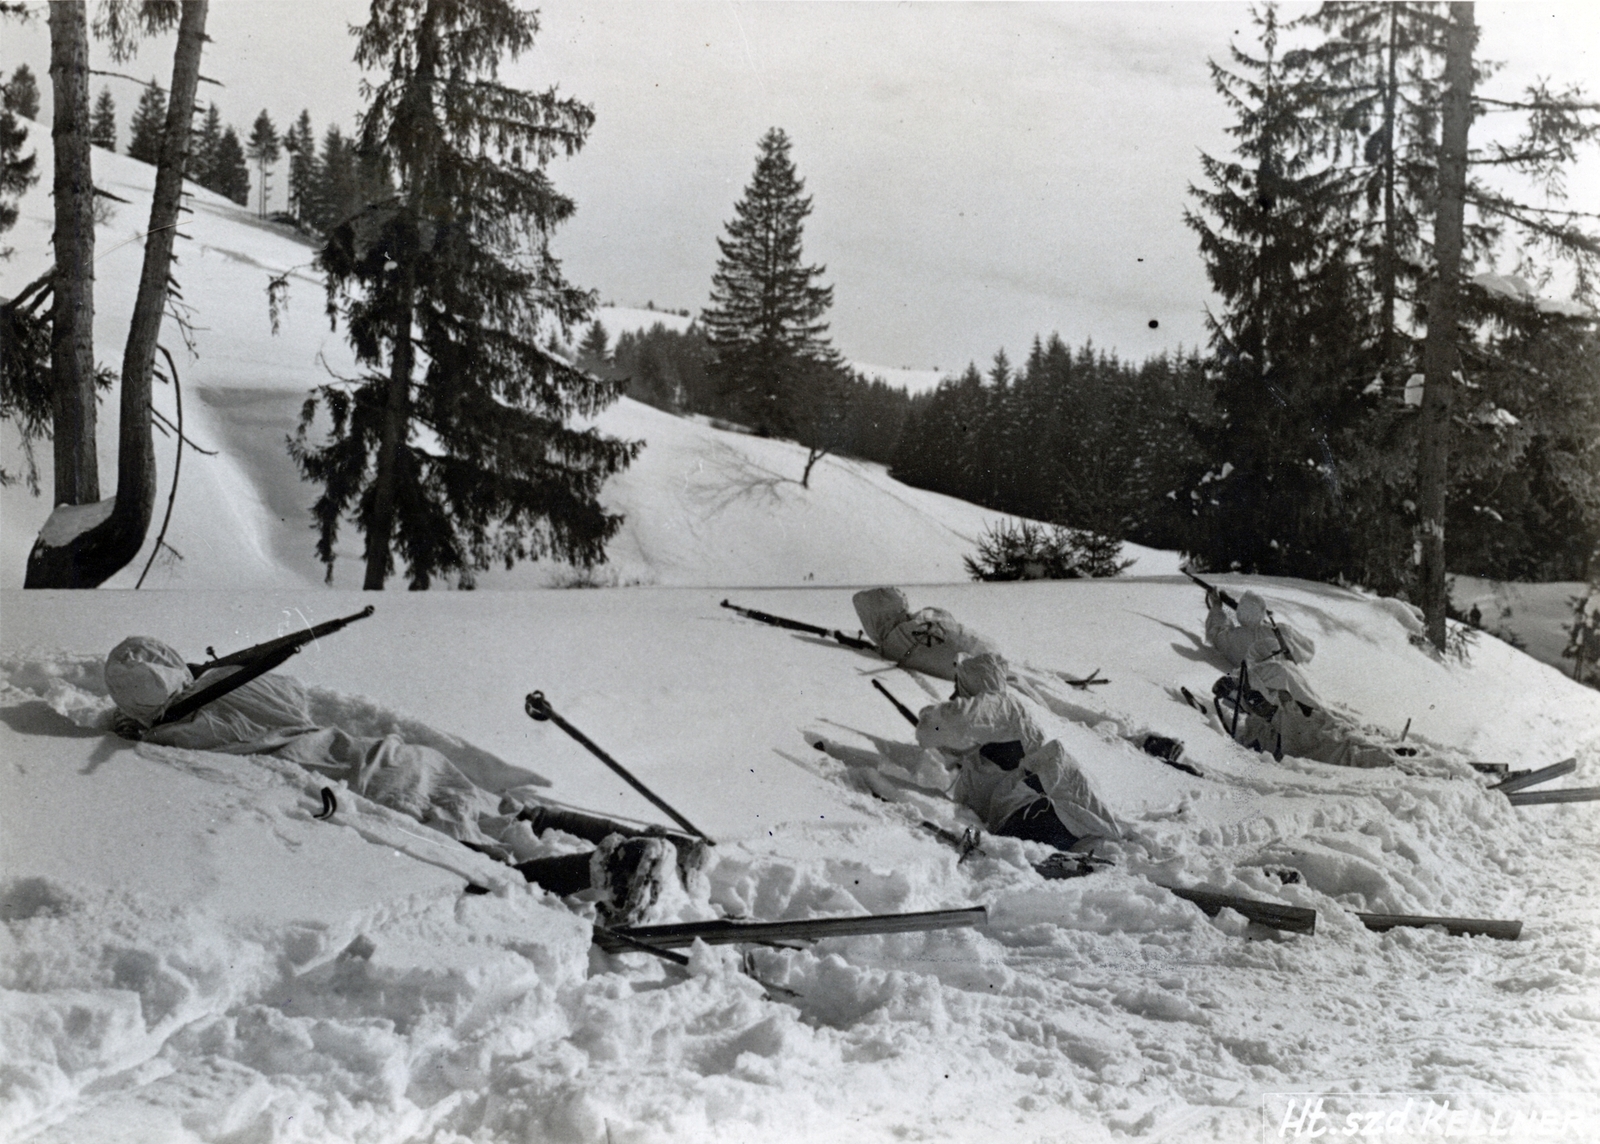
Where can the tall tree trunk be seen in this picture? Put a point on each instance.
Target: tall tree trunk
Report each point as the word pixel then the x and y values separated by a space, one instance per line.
pixel 77 464
pixel 90 558
pixel 1440 355
pixel 1389 258
pixel 396 421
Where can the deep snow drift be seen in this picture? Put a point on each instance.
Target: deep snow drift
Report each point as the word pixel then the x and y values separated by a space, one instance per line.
pixel 188 954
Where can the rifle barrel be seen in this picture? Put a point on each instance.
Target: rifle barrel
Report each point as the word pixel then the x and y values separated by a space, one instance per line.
pixel 294 640
pixel 1221 595
pixel 898 706
pixel 801 626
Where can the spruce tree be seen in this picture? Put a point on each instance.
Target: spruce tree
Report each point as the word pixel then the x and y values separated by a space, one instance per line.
pixel 448 290
pixel 594 350
pixel 26 397
pixel 263 150
pixel 149 120
pixel 229 174
pixel 334 197
pixel 765 318
pixel 1377 69
pixel 1279 245
pixel 103 124
pixel 302 147
pixel 21 92
pixel 203 151
pixel 16 169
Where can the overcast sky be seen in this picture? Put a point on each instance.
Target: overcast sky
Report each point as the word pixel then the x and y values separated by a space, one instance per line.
pixel 981 173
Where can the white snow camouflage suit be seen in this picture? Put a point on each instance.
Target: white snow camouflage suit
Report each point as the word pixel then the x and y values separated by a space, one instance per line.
pixel 998 783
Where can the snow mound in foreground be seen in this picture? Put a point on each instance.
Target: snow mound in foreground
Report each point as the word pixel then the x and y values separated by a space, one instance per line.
pixel 186 952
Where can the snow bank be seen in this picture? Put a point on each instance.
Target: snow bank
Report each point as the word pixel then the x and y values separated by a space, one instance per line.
pixel 187 953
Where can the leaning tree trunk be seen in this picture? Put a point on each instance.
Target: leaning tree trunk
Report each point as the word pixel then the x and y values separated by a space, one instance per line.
pixel 1440 357
pixel 90 558
pixel 77 465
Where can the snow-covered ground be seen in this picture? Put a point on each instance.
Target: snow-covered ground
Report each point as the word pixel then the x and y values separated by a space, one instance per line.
pixel 188 954
pixel 1535 617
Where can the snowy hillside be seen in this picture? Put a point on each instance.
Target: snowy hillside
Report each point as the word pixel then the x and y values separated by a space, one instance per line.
pixel 187 954
pixel 704 506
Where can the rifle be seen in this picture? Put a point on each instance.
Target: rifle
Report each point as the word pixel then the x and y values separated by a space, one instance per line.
pixel 799 626
pixel 726 932
pixel 1229 601
pixel 251 662
pixel 1218 592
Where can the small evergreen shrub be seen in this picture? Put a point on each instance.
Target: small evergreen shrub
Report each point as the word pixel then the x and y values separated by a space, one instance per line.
pixel 1026 550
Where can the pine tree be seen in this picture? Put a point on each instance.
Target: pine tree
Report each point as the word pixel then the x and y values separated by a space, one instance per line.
pixel 447 285
pixel 263 150
pixel 103 124
pixel 229 174
pixel 302 147
pixel 22 93
pixel 765 317
pixel 149 119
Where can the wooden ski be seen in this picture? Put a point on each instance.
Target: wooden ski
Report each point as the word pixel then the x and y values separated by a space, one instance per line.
pixel 724 931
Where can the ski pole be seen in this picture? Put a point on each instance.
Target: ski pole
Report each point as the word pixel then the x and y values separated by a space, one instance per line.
pixel 538 708
pixel 898 706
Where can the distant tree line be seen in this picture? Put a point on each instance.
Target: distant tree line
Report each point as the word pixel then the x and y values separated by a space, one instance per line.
pixel 670 369
pixel 325 186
